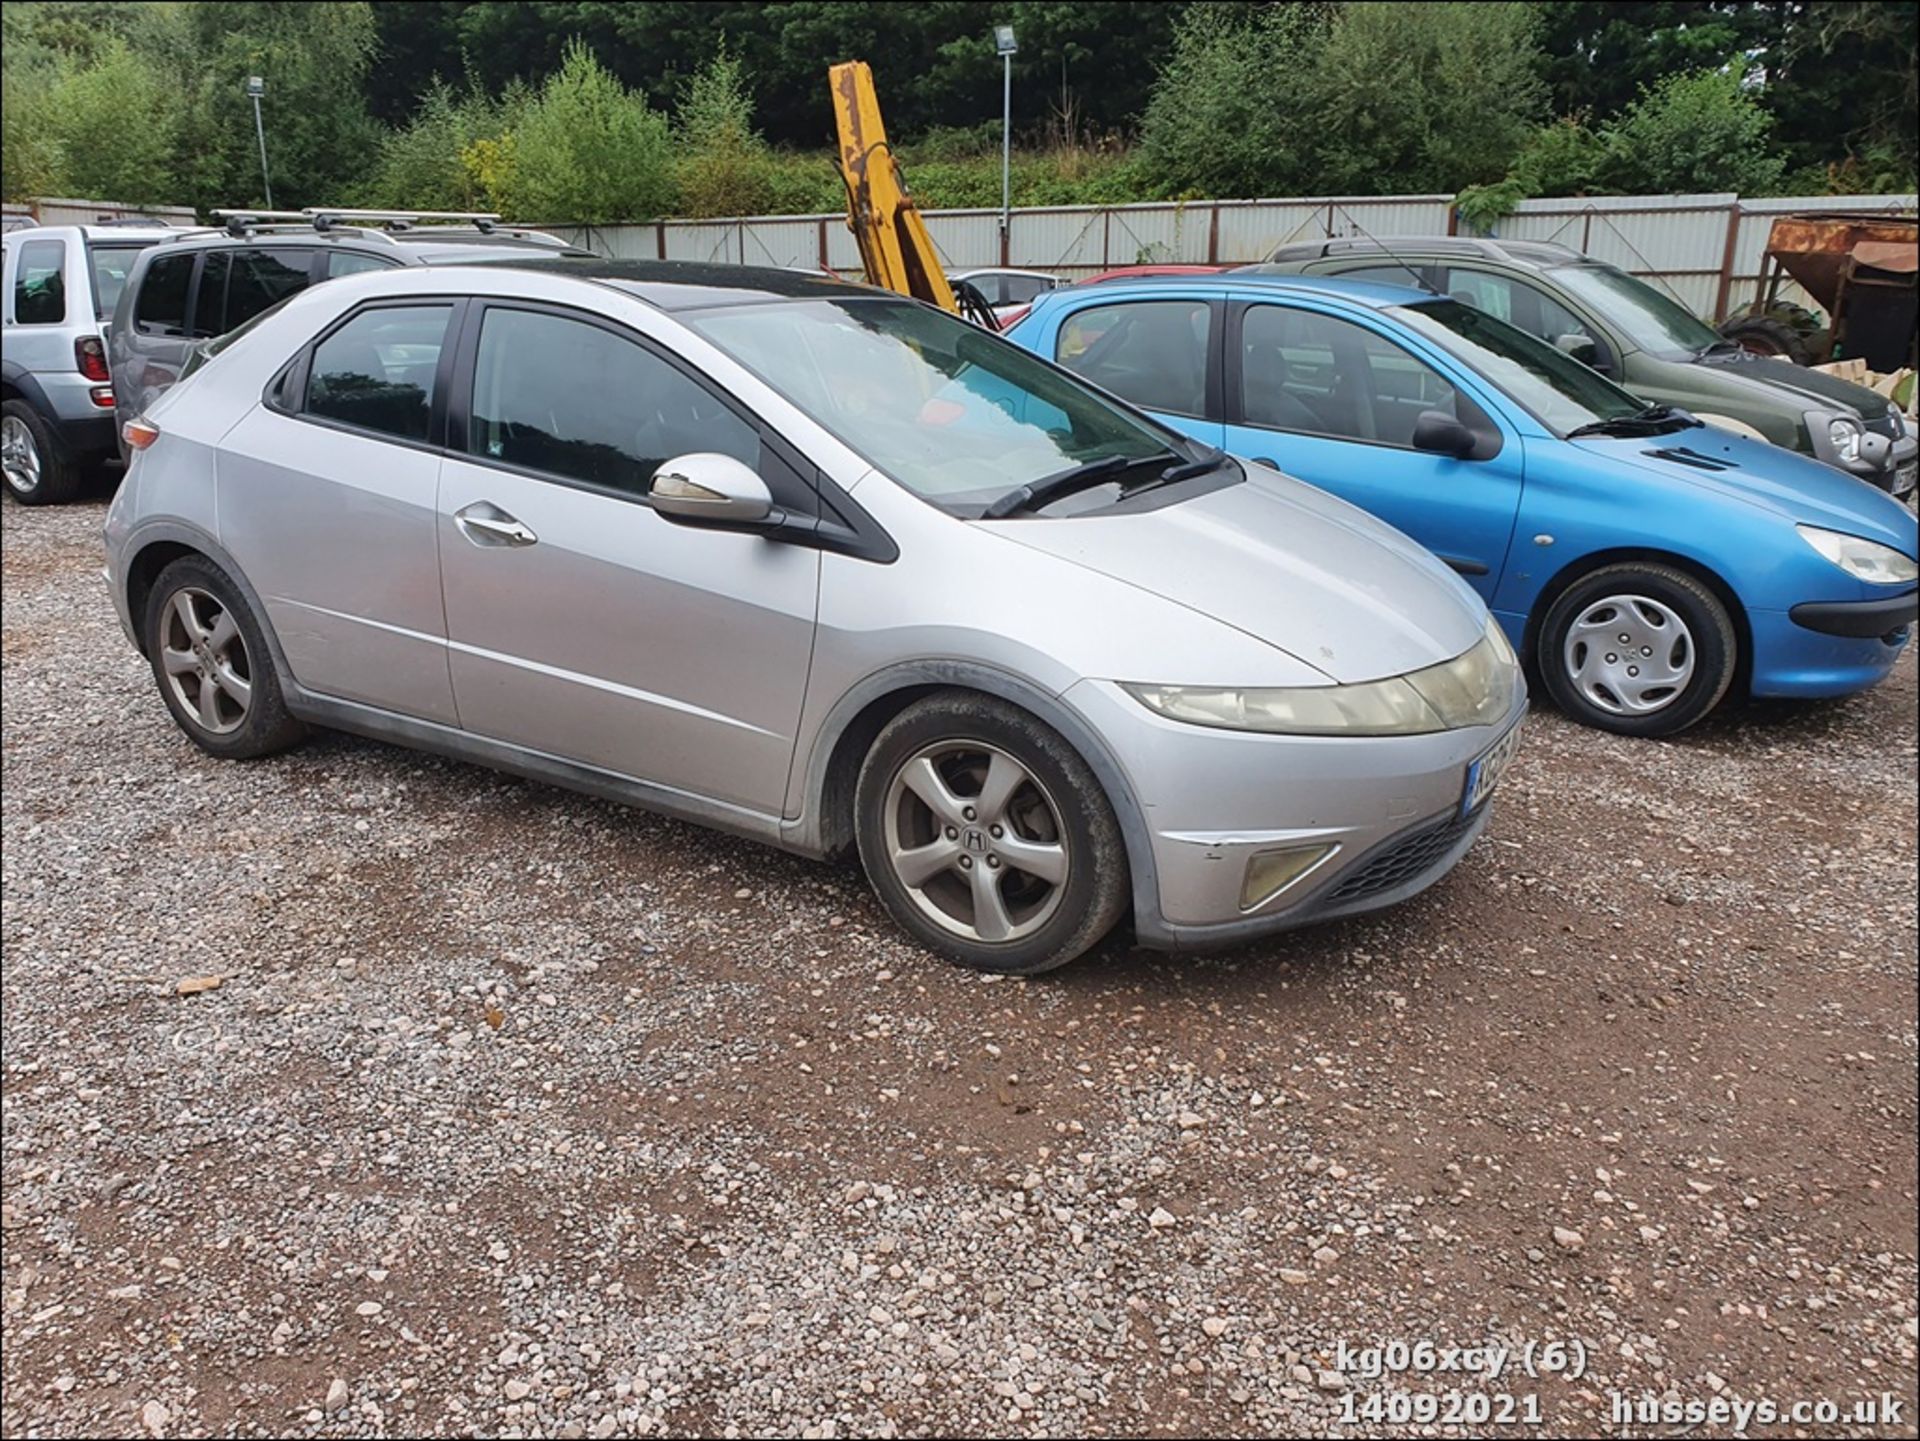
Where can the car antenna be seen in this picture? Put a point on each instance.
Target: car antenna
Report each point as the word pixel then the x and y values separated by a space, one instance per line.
pixel 1419 279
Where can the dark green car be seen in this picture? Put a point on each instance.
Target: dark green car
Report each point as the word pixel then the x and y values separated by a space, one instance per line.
pixel 1644 341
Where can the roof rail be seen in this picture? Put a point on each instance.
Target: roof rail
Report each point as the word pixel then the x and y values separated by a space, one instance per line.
pixel 325 216
pixel 243 222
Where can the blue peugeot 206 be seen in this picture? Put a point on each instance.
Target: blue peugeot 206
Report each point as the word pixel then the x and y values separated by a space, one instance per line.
pixel 1646 564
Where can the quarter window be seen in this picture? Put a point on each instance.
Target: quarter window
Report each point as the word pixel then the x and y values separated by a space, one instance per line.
pixel 40 283
pixel 377 371
pixel 1304 371
pixel 263 278
pixel 1151 352
pixel 351 262
pixel 161 306
pixel 574 400
pixel 111 266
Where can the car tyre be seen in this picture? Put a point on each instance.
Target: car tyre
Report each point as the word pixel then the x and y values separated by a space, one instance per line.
pixel 1640 649
pixel 211 661
pixel 987 837
pixel 38 470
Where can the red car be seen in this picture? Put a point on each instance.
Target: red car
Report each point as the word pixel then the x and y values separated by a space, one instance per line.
pixel 1123 272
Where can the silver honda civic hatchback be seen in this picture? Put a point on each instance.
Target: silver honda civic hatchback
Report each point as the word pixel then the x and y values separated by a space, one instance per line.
pixel 824 567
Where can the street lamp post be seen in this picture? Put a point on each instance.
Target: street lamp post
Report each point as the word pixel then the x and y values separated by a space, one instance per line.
pixel 256 87
pixel 1004 44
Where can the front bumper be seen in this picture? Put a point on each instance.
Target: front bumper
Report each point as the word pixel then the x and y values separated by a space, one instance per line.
pixel 1894 473
pixel 1828 648
pixel 1215 799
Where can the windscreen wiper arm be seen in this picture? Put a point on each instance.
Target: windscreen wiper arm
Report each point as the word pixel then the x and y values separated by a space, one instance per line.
pixel 1049 488
pixel 1653 419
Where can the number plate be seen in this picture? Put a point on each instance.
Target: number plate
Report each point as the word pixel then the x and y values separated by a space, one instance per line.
pixel 1484 774
pixel 1904 477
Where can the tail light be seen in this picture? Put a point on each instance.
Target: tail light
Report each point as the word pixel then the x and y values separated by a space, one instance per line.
pixel 102 396
pixel 139 433
pixel 91 356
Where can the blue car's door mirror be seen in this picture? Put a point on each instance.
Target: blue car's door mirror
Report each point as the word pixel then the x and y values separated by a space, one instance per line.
pixel 1440 433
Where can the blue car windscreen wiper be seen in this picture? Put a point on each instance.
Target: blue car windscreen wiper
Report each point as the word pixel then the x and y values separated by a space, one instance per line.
pixel 1650 421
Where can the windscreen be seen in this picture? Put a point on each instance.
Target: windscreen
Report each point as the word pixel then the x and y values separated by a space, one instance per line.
pixel 1657 324
pixel 1551 385
pixel 955 415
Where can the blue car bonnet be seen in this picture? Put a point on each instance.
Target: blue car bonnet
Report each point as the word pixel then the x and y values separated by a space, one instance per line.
pixel 1764 475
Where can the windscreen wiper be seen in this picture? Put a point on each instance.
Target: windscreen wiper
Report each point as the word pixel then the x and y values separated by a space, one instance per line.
pixel 1049 488
pixel 1650 421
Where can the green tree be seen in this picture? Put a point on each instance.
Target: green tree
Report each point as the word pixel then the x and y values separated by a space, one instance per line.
pixel 588 151
pixel 1693 133
pixel 1375 98
pixel 423 165
pixel 724 166
pixel 112 126
pixel 315 60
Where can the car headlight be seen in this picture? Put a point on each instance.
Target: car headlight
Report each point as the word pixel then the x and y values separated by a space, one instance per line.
pixel 1844 435
pixel 1862 559
pixel 1474 688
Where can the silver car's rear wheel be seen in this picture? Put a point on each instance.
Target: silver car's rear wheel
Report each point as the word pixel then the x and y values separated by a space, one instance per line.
pixel 1629 655
pixel 205 660
pixel 976 842
pixel 20 456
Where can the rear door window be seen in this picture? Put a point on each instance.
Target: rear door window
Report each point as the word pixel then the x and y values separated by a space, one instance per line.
pixel 1151 352
pixel 161 306
pixel 262 278
pixel 40 283
pixel 376 372
pixel 1024 289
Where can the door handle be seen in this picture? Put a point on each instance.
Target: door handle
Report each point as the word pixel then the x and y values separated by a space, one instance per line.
pixel 484 523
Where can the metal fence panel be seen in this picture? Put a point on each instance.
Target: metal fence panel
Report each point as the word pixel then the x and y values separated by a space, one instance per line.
pixel 1679 242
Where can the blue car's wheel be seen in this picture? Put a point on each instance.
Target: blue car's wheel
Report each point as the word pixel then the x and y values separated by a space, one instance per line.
pixel 1642 649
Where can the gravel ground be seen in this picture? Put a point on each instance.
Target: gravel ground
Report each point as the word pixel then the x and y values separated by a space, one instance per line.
pixel 521 1114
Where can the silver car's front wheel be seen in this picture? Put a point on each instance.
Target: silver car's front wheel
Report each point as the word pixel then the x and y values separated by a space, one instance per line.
pixel 1629 655
pixel 976 841
pixel 987 836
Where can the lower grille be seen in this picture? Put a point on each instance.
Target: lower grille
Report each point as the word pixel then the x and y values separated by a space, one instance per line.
pixel 1401 861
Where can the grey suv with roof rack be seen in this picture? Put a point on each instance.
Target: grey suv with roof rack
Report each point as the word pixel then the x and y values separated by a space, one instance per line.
pixel 59 282
pixel 206 283
pixel 1641 339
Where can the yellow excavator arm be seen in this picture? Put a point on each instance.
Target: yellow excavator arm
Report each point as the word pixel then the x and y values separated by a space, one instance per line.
pixel 894 244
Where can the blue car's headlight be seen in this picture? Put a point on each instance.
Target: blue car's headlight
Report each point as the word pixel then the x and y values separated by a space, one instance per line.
pixel 1862 559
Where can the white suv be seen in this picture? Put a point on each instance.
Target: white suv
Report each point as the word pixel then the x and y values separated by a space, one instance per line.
pixel 60 285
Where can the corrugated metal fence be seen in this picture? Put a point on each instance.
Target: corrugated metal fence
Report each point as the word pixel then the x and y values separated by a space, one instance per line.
pixel 47 210
pixel 1705 249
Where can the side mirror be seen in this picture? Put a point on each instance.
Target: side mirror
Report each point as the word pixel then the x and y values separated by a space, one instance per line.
pixel 1579 345
pixel 709 489
pixel 1440 433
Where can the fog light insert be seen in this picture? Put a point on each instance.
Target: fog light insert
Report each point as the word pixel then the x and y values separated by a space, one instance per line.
pixel 1271 872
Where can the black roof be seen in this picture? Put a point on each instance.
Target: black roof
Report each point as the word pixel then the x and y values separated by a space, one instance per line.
pixel 695 285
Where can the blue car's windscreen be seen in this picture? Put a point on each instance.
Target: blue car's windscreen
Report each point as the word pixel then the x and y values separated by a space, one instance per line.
pixel 1550 385
pixel 957 416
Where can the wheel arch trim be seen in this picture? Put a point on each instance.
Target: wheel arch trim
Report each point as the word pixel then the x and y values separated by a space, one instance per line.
pixel 175 532
pixel 809 832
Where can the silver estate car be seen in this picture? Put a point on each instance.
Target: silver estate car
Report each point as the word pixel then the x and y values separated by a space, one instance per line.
pixel 824 567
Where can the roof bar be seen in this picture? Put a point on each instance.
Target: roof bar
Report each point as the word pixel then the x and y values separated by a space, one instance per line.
pixel 324 215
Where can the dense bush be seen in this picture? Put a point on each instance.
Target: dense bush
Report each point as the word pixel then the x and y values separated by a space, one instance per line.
pixel 1319 100
pixel 724 166
pixel 587 151
pixel 1695 132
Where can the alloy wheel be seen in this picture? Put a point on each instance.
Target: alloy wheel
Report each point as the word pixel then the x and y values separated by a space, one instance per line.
pixel 976 841
pixel 19 456
pixel 206 662
pixel 1628 655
